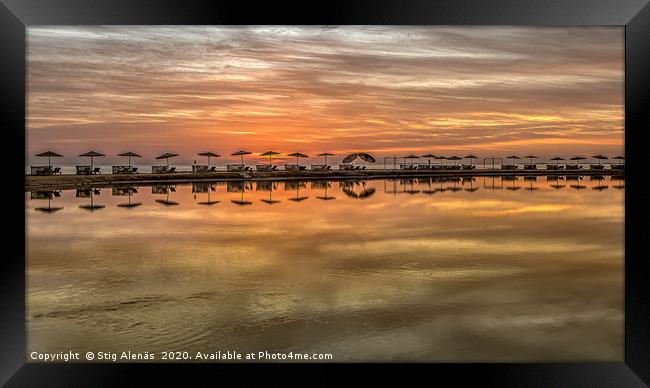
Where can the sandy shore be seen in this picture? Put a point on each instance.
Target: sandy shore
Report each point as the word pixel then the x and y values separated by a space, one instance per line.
pixel 60 182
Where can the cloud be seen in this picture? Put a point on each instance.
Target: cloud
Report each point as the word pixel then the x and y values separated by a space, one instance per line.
pixel 334 88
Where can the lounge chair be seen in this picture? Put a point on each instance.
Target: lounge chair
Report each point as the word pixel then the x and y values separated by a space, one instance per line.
pixel 596 166
pixel 291 167
pixel 264 167
pixel 236 167
pixel 555 167
pixel 617 166
pixel 171 170
pixel 454 167
pixel 346 166
pixel 509 166
pixel 213 169
pixel 530 167
pixel 199 168
pixel 573 167
pixel 96 170
pixel 37 170
pixel 467 167
pixel 83 170
pixel 320 167
pixel 134 170
pixel 56 171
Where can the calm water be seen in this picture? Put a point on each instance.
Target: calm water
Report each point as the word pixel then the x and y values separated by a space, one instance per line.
pixel 378 270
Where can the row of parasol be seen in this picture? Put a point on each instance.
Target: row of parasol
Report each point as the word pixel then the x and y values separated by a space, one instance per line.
pixel 365 157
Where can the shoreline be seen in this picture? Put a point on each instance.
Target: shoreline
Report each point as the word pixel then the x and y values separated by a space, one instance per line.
pixel 64 182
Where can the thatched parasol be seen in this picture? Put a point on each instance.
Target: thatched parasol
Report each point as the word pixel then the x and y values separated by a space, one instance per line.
pixel 166 156
pixel 48 155
pixel 92 155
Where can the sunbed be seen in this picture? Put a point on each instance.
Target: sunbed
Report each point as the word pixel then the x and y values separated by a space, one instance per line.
pixel 320 167
pixel 265 167
pixel 573 167
pixel 83 170
pixel 236 167
pixel 199 168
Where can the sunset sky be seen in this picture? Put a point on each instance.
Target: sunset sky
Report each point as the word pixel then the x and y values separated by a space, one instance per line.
pixel 490 91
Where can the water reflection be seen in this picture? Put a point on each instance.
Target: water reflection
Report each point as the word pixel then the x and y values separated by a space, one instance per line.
pixel 49 195
pixel 424 269
pixel 165 190
pixel 128 191
pixel 267 186
pixel 89 193
pixel 204 192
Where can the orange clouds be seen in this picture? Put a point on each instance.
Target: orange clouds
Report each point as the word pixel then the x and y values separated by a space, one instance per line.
pixel 313 89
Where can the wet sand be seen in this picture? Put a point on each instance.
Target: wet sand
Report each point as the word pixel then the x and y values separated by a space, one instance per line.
pixel 61 182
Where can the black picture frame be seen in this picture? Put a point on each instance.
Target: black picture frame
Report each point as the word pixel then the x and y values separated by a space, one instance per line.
pixel 15 15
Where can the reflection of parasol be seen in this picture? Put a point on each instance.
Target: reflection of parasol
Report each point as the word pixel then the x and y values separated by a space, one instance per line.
pixel 471 180
pixel 46 194
pixel 412 182
pixel 165 189
pixel 241 201
pixel 531 179
pixel 289 185
pixel 270 186
pixel 430 191
pixel 49 155
pixel 92 207
pixel 129 190
pixel 209 202
pixel 513 179
pixel 326 185
pixel 365 193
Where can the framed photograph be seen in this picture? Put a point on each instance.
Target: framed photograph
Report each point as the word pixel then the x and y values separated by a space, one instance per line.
pixel 445 189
